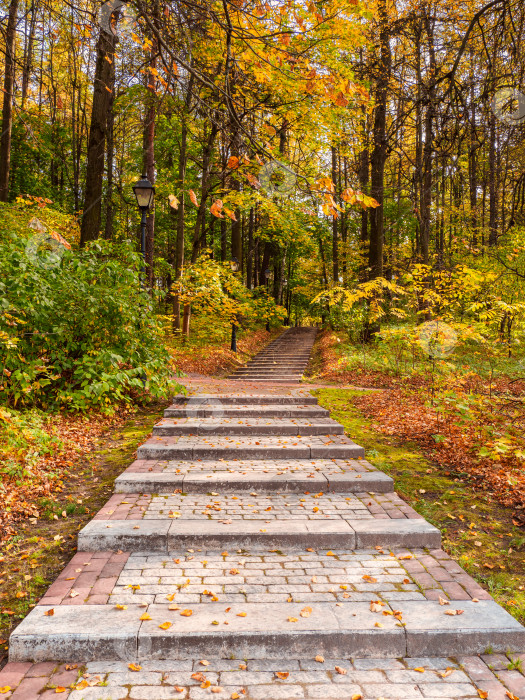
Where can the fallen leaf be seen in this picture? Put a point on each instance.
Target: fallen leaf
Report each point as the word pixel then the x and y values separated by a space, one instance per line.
pixel 306 612
pixel 134 667
pixel 145 616
pixel 50 612
pixel 60 689
pixel 340 670
pixel 292 619
pixel 165 625
pixel 454 612
pixel 283 675
pixel 187 613
pixel 319 659
pixel 241 614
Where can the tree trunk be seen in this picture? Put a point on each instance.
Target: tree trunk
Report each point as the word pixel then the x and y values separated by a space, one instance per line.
pixel 102 89
pixel 149 158
pixel 379 152
pixel 335 242
pixel 7 108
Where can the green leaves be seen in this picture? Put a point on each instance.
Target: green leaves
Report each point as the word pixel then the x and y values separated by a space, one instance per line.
pixel 79 335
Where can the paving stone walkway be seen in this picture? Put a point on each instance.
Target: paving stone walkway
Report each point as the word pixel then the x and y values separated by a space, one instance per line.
pixel 250 551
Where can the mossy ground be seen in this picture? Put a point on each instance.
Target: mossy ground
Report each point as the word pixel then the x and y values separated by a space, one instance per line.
pixel 32 559
pixel 478 533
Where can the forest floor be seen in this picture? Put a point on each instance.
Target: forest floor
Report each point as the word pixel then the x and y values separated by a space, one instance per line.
pixel 481 524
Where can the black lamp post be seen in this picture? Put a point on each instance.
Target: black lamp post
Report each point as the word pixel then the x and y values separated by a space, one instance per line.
pixel 267 274
pixel 144 193
pixel 235 267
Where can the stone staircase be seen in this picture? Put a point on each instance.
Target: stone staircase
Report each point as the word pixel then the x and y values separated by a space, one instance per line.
pixel 282 361
pixel 251 531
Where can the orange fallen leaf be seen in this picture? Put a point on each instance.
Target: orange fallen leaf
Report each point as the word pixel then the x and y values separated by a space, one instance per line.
pixel 306 611
pixel 241 614
pixel 341 671
pixel 145 616
pixel 134 667
pixel 199 676
pixel 370 579
pixel 187 613
pixel 165 625
pixel 60 689
pixel 50 612
pixel 419 669
pixel 483 694
pixel 319 659
pixel 292 619
pixel 283 675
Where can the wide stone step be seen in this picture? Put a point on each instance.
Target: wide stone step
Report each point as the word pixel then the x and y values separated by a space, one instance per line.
pixel 269 381
pixel 294 398
pixel 202 476
pixel 138 522
pixel 240 447
pixel 203 410
pixel 164 535
pixel 247 426
pixel 259 630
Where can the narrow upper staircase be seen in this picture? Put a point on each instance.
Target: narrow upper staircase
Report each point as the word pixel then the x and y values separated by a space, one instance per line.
pixel 283 360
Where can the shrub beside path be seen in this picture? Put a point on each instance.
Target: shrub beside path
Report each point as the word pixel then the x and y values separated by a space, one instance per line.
pixel 251 551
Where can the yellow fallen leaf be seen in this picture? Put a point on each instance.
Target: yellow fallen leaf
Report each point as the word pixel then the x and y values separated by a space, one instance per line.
pixel 370 579
pixel 134 667
pixel 165 625
pixel 241 614
pixel 118 606
pixel 330 554
pixel 235 696
pixel 187 613
pixel 60 689
pixel 448 672
pixel 292 619
pixel 377 624
pixel 145 616
pixel 203 662
pixel 419 669
pixel 5 689
pixel 357 696
pixel 306 612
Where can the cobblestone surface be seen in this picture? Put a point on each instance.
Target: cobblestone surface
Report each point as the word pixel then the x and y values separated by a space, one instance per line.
pixel 245 466
pixel 263 507
pixel 261 576
pixel 337 679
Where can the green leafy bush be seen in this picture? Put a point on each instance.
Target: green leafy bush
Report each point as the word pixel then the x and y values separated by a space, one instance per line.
pixel 76 330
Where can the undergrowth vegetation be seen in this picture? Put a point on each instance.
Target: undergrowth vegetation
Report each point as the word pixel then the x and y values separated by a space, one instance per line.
pixel 465 409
